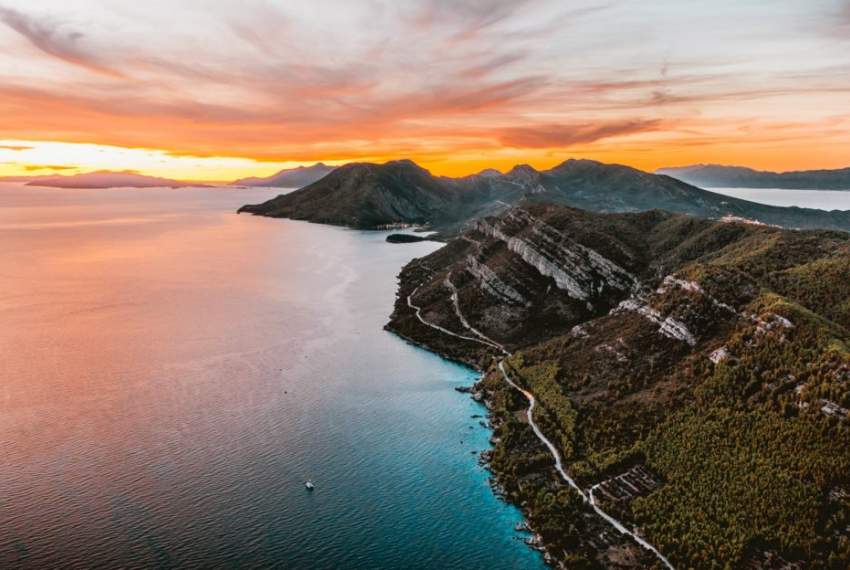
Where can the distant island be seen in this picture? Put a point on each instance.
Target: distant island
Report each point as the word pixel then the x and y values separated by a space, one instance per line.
pixel 289 178
pixel 103 179
pixel 718 176
pixel 401 193
pixel 405 238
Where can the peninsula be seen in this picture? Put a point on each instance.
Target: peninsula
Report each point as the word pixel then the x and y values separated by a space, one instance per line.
pixel 399 193
pixel 675 366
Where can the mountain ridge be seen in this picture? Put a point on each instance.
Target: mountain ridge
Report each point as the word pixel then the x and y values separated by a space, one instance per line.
pixel 719 176
pixel 103 179
pixel 679 365
pixel 289 177
pixel 397 193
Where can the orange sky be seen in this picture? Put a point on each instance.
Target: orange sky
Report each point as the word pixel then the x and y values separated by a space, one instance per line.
pixel 204 92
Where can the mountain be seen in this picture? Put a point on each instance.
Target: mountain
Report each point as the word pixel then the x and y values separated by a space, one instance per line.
pixel 489 173
pixel 717 176
pixel 365 195
pixel 290 178
pixel 694 376
pixel 105 179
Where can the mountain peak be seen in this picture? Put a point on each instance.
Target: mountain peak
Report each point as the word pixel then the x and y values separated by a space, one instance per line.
pixel 522 168
pixel 580 163
pixel 289 177
pixel 488 173
pixel 368 195
pixel 523 173
pixel 405 163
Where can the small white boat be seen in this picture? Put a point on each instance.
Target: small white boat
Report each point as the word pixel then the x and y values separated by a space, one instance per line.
pixel 309 485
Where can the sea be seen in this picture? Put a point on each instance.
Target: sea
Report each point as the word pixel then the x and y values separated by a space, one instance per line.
pixel 818 199
pixel 172 373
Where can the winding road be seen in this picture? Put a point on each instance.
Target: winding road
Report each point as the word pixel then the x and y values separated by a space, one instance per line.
pixel 532 402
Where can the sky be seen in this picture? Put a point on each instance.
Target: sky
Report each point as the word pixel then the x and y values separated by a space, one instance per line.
pixel 220 90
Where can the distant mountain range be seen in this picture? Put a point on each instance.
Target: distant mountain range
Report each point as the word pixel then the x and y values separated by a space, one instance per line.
pixel 289 178
pixel 369 196
pixel 101 179
pixel 718 176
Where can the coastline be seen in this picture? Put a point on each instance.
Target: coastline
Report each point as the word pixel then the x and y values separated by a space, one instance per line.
pixel 477 392
pixel 498 393
pixel 490 421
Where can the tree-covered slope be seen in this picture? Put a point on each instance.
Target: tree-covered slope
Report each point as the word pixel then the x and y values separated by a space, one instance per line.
pixel 402 193
pixel 696 374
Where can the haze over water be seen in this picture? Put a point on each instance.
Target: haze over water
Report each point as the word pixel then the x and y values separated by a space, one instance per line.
pixel 819 199
pixel 172 373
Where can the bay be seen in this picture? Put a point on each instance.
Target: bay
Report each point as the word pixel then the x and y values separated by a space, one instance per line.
pixel 171 374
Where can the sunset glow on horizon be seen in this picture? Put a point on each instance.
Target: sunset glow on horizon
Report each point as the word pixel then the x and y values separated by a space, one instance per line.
pixel 199 92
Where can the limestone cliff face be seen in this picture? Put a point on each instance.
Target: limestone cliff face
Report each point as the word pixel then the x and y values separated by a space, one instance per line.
pixel 638 333
pixel 576 269
pixel 491 283
pixel 537 271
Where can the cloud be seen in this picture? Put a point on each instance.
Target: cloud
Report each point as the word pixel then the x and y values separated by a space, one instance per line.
pixel 491 65
pixel 460 98
pixel 263 28
pixel 51 39
pixel 34 167
pixel 843 17
pixel 468 18
pixel 477 79
pixel 15 147
pixel 552 136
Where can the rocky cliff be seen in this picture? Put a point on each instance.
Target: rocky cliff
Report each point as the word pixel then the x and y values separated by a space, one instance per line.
pixel 684 366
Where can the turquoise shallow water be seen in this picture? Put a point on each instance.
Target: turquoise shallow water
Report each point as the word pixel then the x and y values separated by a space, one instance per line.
pixel 172 373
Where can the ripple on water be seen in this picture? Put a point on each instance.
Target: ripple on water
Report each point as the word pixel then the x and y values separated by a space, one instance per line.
pixel 170 383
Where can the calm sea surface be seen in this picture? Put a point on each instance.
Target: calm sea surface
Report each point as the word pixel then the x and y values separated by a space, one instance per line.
pixel 171 373
pixel 820 199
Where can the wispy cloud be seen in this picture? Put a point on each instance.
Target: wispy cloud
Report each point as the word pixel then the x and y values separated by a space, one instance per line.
pixel 550 136
pixel 54 167
pixel 454 81
pixel 843 17
pixel 52 39
pixel 468 18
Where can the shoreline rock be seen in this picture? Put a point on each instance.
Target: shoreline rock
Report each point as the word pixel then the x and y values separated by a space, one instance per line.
pixel 405 238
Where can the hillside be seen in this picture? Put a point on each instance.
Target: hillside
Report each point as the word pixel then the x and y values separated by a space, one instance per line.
pixel 717 176
pixel 289 178
pixel 364 195
pixel 695 376
pixel 401 193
